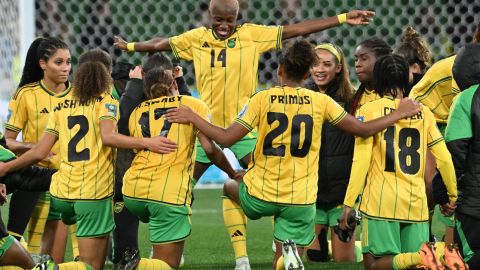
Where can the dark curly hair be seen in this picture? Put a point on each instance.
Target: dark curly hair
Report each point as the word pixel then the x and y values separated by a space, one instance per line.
pixel 297 58
pixel 390 75
pixel 157 83
pixel 414 49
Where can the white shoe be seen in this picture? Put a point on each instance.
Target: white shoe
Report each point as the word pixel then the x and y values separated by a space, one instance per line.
pixel 242 264
pixel 274 247
pixel 291 259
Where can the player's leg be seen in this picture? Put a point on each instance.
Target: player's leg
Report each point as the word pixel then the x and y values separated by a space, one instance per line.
pixel 54 239
pixel 318 250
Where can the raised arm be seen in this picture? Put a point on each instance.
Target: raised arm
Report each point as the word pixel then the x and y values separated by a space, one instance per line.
pixel 152 45
pixel 354 17
pixel 407 108
pixel 223 136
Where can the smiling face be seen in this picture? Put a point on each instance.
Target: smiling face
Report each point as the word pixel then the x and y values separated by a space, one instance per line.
pixel 223 17
pixel 325 71
pixel 58 66
pixel 364 63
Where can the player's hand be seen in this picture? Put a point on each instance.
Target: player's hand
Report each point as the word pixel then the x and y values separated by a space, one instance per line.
pixel 358 17
pixel 409 107
pixel 49 156
pixel 183 115
pixel 238 176
pixel 448 209
pixel 3 194
pixel 177 72
pixel 120 43
pixel 136 73
pixel 343 224
pixel 160 144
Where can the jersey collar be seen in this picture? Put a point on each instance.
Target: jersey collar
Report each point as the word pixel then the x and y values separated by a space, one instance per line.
pixel 51 93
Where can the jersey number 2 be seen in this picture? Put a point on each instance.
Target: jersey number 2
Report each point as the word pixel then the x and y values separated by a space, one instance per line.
pixel 408 144
pixel 297 121
pixel 73 155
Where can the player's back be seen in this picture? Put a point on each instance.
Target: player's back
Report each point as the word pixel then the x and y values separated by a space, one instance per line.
pixel 395 187
pixel 284 167
pixel 163 177
pixel 86 168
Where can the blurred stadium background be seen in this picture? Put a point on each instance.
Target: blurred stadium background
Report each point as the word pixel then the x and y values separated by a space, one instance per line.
pixel 84 24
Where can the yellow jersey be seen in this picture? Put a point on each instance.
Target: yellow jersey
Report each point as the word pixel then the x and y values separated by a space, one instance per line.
pixel 284 165
pixel 390 166
pixel 367 96
pixel 28 112
pixel 165 178
pixel 86 169
pixel 437 88
pixel 226 70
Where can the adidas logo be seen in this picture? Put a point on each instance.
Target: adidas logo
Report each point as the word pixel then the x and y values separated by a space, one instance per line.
pixel 237 233
pixel 44 110
pixel 205 45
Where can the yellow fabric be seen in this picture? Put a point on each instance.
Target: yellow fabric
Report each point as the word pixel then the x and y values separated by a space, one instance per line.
pixel 330 48
pixel 406 260
pixel 152 264
pixel 342 18
pixel 389 167
pixel 74 266
pixel 163 177
pixel 367 96
pixel 86 168
pixel 131 46
pixel 36 225
pixel 440 251
pixel 236 223
pixel 284 168
pixel 437 88
pixel 280 264
pixel 28 112
pixel 74 240
pixel 10 268
pixel 226 70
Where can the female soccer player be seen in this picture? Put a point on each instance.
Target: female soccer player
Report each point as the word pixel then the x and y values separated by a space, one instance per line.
pixel 366 54
pixel 331 77
pixel 388 171
pixel 158 187
pixel 85 127
pixel 282 177
pixel 44 83
pixel 225 59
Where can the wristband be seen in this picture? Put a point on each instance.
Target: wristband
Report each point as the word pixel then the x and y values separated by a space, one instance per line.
pixel 131 46
pixel 342 18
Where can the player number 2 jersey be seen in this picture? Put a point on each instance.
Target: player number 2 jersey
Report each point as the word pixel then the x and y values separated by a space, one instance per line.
pixel 284 166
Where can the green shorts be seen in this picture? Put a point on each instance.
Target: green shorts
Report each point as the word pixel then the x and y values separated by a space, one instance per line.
pixel 167 223
pixel 328 215
pixel 447 221
pixel 240 149
pixel 93 218
pixel 53 213
pixel 382 237
pixel 5 243
pixel 290 221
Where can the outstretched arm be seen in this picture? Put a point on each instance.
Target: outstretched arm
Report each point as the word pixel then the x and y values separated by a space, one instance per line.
pixel 224 136
pixel 354 17
pixel 408 107
pixel 216 155
pixel 152 45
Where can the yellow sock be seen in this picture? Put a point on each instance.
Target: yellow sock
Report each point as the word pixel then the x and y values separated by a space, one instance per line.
pixel 74 266
pixel 153 264
pixel 280 264
pixel 440 251
pixel 73 238
pixel 236 223
pixel 10 268
pixel 406 260
pixel 36 225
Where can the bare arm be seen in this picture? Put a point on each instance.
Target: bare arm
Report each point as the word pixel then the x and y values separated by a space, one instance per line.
pixel 110 137
pixel 407 107
pixel 223 136
pixel 216 155
pixel 34 155
pixel 152 45
pixel 354 17
pixel 14 145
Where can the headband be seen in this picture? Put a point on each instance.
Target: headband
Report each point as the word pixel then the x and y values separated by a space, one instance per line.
pixel 332 49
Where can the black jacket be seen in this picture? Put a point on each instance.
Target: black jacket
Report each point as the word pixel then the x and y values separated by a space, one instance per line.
pixel 336 154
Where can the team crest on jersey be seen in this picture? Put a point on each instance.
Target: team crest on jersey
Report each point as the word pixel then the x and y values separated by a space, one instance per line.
pixel 9 114
pixel 111 109
pixel 242 112
pixel 361 118
pixel 231 43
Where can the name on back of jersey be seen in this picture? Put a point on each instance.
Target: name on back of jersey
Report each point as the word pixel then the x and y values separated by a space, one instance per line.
pixel 290 99
pixel 163 100
pixel 388 110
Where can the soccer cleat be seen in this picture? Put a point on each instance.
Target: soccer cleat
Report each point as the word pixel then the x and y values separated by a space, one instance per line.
pixel 242 266
pixel 48 265
pixel 129 261
pixel 291 259
pixel 453 259
pixel 429 259
pixel 352 221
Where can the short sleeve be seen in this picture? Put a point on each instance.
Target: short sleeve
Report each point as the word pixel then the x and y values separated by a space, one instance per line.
pixel 182 44
pixel 334 113
pixel 52 123
pixel 17 113
pixel 266 38
pixel 250 114
pixel 108 109
pixel 203 111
